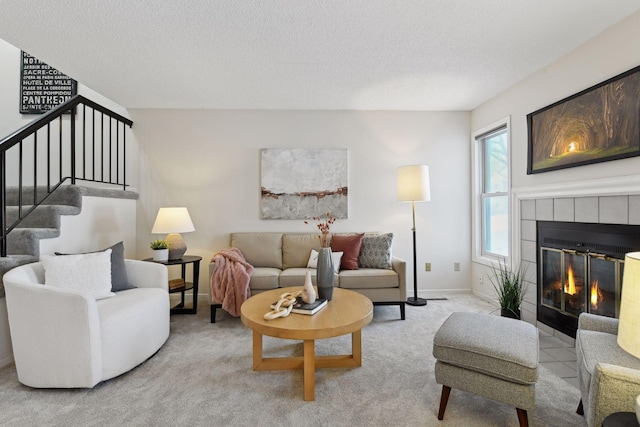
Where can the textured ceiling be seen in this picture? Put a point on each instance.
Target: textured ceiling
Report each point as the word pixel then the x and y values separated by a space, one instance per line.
pixel 304 54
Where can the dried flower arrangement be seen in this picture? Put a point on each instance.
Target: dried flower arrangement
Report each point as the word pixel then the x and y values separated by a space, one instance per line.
pixel 324 225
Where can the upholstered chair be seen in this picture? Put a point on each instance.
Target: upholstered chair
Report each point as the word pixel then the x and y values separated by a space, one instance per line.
pixel 65 338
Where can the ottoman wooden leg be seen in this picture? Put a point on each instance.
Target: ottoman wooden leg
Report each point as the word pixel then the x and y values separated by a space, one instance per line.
pixel 522 417
pixel 444 398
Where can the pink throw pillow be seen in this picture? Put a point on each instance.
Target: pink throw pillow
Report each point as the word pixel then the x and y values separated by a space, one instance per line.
pixel 350 246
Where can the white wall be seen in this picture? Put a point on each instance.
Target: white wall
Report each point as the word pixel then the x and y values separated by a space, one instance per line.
pixel 606 55
pixel 102 223
pixel 209 161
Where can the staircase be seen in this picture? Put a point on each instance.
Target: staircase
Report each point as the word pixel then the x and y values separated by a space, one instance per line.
pixel 23 243
pixel 39 167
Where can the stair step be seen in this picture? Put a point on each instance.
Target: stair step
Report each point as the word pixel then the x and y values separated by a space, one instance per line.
pixel 26 241
pixel 64 195
pixel 43 216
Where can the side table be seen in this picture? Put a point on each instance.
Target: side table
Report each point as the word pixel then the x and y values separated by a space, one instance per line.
pixel 620 419
pixel 182 262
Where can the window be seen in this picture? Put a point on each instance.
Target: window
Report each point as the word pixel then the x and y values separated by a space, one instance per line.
pixel 492 183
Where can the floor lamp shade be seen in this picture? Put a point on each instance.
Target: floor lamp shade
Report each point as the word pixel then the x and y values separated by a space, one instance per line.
pixel 629 327
pixel 173 221
pixel 413 184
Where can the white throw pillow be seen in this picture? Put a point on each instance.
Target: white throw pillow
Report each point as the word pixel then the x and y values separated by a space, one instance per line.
pixel 313 260
pixel 89 274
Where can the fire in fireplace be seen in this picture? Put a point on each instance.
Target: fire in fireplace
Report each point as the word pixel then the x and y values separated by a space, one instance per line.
pixel 580 268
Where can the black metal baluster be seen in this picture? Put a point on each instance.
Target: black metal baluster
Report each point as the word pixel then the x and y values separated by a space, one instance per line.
pixel 48 157
pixel 3 202
pixel 60 148
pixel 124 156
pixel 20 180
pixel 84 141
pixel 110 147
pixel 73 145
pixel 93 149
pixel 102 147
pixel 117 152
pixel 35 168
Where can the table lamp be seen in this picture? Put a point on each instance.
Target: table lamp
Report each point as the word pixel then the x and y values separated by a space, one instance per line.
pixel 173 221
pixel 413 186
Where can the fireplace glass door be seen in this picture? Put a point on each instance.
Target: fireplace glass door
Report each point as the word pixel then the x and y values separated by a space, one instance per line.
pixel 574 278
pixel 575 282
pixel 605 277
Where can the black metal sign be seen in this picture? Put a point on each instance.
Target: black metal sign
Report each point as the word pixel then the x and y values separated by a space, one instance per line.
pixel 42 87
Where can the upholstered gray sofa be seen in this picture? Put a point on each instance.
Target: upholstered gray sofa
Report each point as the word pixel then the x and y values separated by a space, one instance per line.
pixel 608 376
pixel 280 260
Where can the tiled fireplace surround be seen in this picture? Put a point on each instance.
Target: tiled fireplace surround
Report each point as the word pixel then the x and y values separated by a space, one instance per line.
pixel 607 202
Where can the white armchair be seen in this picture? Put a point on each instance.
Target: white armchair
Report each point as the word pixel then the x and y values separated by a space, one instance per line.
pixel 608 376
pixel 64 339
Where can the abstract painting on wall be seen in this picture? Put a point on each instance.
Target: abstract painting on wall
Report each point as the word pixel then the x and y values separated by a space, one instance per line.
pixel 300 183
pixel 599 124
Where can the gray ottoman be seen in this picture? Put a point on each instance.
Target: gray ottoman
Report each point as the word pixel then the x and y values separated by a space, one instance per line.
pixel 491 356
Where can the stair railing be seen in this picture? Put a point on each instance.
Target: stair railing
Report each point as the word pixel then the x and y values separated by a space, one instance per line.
pixel 77 140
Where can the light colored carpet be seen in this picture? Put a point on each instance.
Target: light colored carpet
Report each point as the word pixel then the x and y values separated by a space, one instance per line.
pixel 203 376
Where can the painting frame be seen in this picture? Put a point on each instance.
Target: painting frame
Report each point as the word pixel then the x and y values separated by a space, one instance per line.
pixel 598 124
pixel 302 183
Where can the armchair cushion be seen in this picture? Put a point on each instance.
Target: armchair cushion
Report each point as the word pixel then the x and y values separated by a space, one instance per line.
pixel 88 274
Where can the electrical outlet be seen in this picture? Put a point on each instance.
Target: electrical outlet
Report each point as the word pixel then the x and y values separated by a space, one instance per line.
pixel 456 266
pixel 480 279
pixel 427 266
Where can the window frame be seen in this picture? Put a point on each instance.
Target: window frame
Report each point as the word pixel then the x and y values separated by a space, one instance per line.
pixel 479 195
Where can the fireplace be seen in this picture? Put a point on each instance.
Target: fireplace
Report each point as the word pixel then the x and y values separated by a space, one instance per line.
pixel 580 269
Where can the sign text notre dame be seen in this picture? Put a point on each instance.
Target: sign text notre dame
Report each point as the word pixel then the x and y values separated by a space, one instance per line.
pixel 42 87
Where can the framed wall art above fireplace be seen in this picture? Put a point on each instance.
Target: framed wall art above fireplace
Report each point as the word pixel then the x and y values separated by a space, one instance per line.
pixel 598 124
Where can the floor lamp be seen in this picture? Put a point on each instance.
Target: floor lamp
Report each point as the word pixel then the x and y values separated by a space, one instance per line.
pixel 413 186
pixel 629 324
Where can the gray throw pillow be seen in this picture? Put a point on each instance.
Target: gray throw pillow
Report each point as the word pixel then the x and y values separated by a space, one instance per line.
pixel 375 251
pixel 119 278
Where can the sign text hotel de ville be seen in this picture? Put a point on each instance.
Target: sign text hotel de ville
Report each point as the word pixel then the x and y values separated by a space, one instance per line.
pixel 42 87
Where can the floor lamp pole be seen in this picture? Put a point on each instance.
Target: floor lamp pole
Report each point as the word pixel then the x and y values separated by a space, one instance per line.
pixel 414 300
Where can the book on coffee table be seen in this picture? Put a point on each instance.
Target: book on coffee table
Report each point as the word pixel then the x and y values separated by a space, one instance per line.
pixel 302 307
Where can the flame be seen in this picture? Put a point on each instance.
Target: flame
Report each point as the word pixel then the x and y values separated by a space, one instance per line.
pixel 570 287
pixel 596 295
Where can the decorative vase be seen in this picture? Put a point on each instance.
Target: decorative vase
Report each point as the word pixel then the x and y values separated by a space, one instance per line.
pixel 324 274
pixel 513 314
pixel 308 293
pixel 161 255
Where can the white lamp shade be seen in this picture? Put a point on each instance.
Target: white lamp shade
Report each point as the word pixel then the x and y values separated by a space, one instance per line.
pixel 413 184
pixel 172 220
pixel 629 327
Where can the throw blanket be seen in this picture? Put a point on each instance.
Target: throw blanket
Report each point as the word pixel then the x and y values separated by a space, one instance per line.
pixel 230 279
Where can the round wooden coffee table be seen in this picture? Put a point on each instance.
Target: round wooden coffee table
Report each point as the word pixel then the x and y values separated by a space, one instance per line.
pixel 347 313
